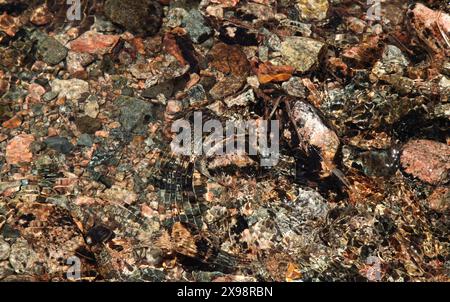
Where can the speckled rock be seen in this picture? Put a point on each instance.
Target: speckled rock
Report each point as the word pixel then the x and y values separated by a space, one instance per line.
pixel 18 149
pixel 427 160
pixel 50 50
pixel 195 25
pixel 165 88
pixel 136 16
pixel 312 129
pixel 4 249
pixel 300 52
pixel 22 257
pixel 71 89
pixel 439 200
pixel 134 113
pixel 312 9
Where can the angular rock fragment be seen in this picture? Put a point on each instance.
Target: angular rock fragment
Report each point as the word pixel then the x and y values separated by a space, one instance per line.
pixel 195 26
pixel 439 200
pixel 72 89
pixel 135 114
pixel 312 9
pixel 88 125
pixel 91 108
pixel 432 27
pixel 9 24
pixel 4 249
pixel 59 144
pixel 41 15
pixel 244 99
pixel 18 149
pixel 165 88
pixel 50 50
pixel 311 130
pixel 427 160
pixel 301 53
pixel 136 16
pixel 22 257
pixel 94 43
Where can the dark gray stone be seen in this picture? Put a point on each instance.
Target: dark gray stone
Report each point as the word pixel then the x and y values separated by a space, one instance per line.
pixel 195 25
pixel 195 94
pixel 50 50
pixel 136 16
pixel 135 114
pixel 165 88
pixel 85 140
pixel 59 144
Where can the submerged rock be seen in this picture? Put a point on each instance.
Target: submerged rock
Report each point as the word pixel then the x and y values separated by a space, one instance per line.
pixel 72 89
pixel 59 144
pixel 94 43
pixel 50 50
pixel 88 125
pixel 427 160
pixel 4 249
pixel 312 9
pixel 135 114
pixel 312 131
pixel 194 23
pixel 301 53
pixel 136 16
pixel 165 88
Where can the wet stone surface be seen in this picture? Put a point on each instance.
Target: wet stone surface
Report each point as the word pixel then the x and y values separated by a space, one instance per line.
pixel 87 115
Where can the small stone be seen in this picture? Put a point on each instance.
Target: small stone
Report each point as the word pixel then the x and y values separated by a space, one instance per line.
pixel 18 149
pixel 393 62
pixel 301 53
pixel 393 55
pixel 59 144
pixel 91 108
pixel 76 62
pixel 49 96
pixel 35 92
pixel 72 89
pixel 439 200
pixel 89 125
pixel 227 87
pixel 445 70
pixel 9 24
pixel 195 95
pixel 5 270
pixel 136 16
pixel 41 16
pixel 356 25
pixel 135 114
pixel 4 249
pixel 22 257
pixel 242 100
pixel 194 24
pixel 94 43
pixel 165 88
pixel 119 195
pixel 13 123
pixel 312 129
pixel 4 86
pixel 427 160
pixel 50 50
pixel 310 10
pixel 295 87
pixel 444 85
